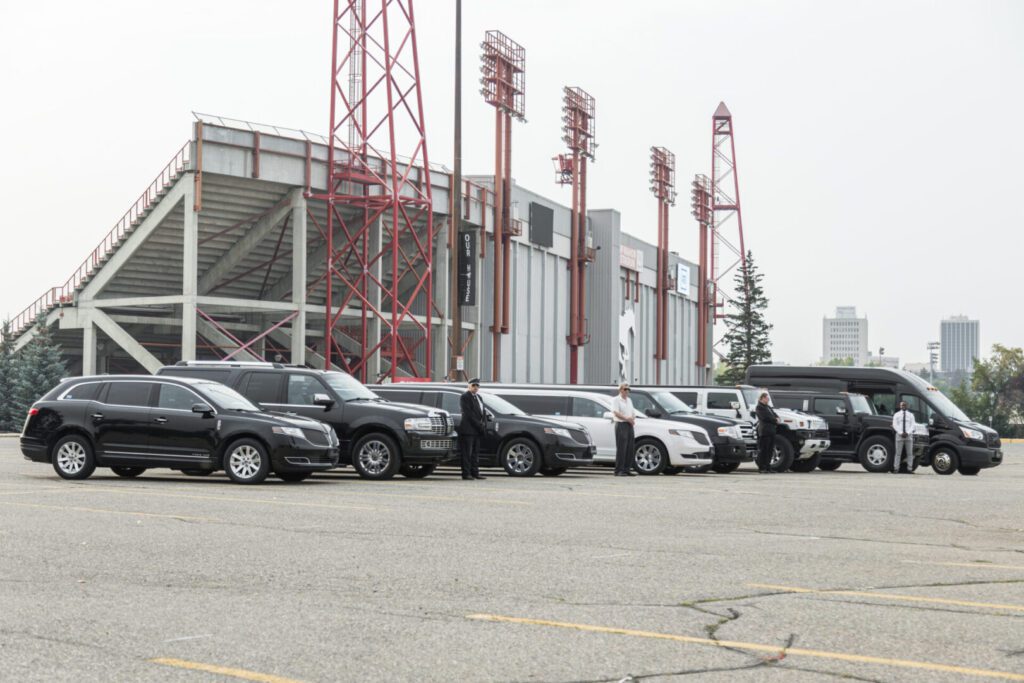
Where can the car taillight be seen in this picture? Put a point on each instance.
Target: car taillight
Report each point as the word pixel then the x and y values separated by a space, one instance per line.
pixel 33 411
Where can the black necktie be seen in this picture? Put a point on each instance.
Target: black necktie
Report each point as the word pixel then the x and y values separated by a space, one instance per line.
pixel 904 423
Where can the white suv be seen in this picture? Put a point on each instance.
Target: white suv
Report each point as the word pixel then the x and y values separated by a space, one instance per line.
pixel 661 445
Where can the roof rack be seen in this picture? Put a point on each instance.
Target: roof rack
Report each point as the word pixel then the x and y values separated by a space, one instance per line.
pixel 228 364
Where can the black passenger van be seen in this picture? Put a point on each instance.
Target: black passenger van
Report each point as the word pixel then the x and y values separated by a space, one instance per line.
pixel 958 443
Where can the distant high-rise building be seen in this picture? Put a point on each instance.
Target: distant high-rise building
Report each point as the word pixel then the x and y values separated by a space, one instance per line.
pixel 845 336
pixel 960 344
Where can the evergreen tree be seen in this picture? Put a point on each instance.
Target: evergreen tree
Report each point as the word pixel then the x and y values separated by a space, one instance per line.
pixel 38 367
pixel 8 423
pixel 747 337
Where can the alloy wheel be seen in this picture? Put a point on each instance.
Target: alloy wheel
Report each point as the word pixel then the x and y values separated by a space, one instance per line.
pixel 877 455
pixel 648 457
pixel 71 457
pixel 374 457
pixel 519 458
pixel 942 461
pixel 245 461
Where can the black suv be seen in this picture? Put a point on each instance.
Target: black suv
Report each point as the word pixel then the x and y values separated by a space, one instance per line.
pixel 130 424
pixel 519 443
pixel 856 432
pixel 378 438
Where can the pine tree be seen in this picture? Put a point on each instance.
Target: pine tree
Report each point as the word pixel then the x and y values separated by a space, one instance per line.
pixel 38 367
pixel 747 338
pixel 8 423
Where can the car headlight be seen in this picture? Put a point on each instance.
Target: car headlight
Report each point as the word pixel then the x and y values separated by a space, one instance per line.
pixel 417 424
pixel 819 424
pixel 732 431
pixel 683 433
pixel 558 431
pixel 972 434
pixel 289 431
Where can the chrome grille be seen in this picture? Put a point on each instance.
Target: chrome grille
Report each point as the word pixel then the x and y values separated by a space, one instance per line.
pixel 747 430
pixel 436 444
pixel 441 424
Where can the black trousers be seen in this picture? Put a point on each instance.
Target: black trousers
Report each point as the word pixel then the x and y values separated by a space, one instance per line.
pixel 765 450
pixel 624 448
pixel 469 450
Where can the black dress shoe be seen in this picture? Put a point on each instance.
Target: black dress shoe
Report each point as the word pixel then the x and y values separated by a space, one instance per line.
pixel 479 476
pixel 467 478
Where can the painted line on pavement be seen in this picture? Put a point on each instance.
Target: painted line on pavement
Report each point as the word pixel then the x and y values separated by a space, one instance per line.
pixel 777 651
pixel 72 508
pixel 243 674
pixel 972 565
pixel 891 596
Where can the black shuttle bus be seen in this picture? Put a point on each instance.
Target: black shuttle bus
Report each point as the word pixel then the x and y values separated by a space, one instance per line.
pixel 957 443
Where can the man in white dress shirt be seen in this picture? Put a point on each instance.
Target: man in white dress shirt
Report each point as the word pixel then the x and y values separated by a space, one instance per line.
pixel 624 417
pixel 903 424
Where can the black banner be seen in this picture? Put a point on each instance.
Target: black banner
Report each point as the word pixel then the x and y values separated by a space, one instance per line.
pixel 467 268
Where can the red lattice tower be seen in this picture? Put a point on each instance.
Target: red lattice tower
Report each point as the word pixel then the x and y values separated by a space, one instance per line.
pixel 379 227
pixel 727 247
pixel 503 64
pixel 663 185
pixel 571 169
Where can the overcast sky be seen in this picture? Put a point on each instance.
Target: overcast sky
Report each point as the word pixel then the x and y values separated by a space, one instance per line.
pixel 880 145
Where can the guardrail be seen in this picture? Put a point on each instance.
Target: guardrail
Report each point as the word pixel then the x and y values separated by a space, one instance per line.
pixel 65 293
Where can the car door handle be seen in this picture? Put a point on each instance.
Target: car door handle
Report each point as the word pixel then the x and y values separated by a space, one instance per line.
pixel 97 416
pixel 160 420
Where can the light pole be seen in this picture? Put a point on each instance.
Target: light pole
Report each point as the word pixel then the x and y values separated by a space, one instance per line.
pixel 933 357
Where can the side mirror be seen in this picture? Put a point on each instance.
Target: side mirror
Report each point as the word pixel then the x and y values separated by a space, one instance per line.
pixel 202 408
pixel 753 413
pixel 323 400
pixel 735 405
pixel 489 416
pixel 608 415
pixel 651 412
pixel 840 410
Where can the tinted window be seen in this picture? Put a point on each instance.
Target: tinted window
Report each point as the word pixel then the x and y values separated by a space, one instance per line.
pixel 884 400
pixel 642 403
pixel 82 392
pixel 201 373
pixel 302 389
pixel 402 396
pixel 585 407
pixel 174 397
pixel 263 387
pixel 450 402
pixel 538 404
pixel 790 402
pixel 921 410
pixel 687 397
pixel 129 393
pixel 827 406
pixel 720 400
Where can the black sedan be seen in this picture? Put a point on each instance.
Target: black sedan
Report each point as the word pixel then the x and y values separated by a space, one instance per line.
pixel 131 423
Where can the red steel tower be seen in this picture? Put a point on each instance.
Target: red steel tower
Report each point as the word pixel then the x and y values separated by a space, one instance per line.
pixel 663 185
pixel 578 129
pixel 504 87
pixel 379 227
pixel 700 203
pixel 727 247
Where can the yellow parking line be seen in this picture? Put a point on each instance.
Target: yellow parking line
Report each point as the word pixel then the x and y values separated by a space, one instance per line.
pixel 243 674
pixel 972 565
pixel 73 508
pixel 891 596
pixel 760 647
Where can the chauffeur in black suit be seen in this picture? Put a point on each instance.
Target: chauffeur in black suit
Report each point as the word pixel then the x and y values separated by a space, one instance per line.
pixel 767 423
pixel 472 427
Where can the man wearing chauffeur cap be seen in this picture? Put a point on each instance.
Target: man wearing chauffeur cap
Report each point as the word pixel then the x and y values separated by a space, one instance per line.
pixel 471 429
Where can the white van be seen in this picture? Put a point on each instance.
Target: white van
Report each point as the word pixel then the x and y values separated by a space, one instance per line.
pixel 661 445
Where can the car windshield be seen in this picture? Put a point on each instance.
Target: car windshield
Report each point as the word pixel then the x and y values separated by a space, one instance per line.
pixel 936 398
pixel 861 404
pixel 499 406
pixel 225 397
pixel 670 403
pixel 348 388
pixel 750 395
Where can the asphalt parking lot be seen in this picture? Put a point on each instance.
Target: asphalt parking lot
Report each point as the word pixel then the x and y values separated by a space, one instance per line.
pixel 583 577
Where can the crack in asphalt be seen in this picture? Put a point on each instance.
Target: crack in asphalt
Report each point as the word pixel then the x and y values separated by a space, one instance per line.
pixel 955 546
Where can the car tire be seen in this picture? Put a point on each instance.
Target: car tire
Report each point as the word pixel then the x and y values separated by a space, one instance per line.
pixel 725 467
pixel 830 465
pixel 945 460
pixel 73 458
pixel 807 464
pixel 876 454
pixel 520 457
pixel 127 472
pixel 649 457
pixel 197 473
pixel 968 471
pixel 782 455
pixel 416 471
pixel 292 477
pixel 375 456
pixel 553 471
pixel 246 461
